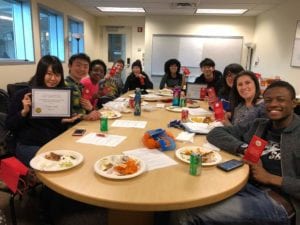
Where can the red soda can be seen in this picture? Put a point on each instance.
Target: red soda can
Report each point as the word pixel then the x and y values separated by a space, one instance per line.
pixel 131 103
pixel 202 93
pixel 184 115
pixel 219 111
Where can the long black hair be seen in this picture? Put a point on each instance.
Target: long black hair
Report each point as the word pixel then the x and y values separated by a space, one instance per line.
pixel 234 69
pixel 38 79
pixel 169 63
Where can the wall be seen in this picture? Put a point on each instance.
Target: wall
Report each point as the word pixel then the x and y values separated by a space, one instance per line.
pixel 274 38
pixel 19 73
pixel 132 22
pixel 197 25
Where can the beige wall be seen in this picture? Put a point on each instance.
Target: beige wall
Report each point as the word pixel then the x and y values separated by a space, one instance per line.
pixel 274 38
pixel 19 73
pixel 273 33
pixel 197 25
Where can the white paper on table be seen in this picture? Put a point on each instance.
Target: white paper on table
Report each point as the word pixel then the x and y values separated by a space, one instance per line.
pixel 153 158
pixel 198 111
pixel 109 139
pixel 160 105
pixel 129 123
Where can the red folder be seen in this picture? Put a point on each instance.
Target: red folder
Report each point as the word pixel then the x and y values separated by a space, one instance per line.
pixel 10 171
pixel 255 149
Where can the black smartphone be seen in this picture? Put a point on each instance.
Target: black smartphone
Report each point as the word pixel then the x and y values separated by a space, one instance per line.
pixel 78 132
pixel 230 165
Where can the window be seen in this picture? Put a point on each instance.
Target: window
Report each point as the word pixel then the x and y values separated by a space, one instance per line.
pixel 76 41
pixel 16 42
pixel 116 47
pixel 51 33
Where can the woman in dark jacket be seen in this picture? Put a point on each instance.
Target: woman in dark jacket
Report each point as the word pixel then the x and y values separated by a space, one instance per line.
pixel 137 78
pixel 32 133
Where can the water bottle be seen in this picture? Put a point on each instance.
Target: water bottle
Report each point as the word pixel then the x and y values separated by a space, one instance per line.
pixel 137 102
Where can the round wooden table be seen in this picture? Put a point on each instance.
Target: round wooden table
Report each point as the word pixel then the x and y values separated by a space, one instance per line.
pixel 169 188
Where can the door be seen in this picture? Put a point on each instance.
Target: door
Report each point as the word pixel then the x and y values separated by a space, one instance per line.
pixel 117 44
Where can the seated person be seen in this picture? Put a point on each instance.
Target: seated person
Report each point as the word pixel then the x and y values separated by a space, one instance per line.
pixel 209 76
pixel 112 85
pixel 172 77
pixel 91 83
pixel 244 100
pixel 272 191
pixel 78 69
pixel 229 74
pixel 137 78
pixel 32 133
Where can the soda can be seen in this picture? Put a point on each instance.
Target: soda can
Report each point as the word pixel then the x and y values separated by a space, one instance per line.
pixel 184 115
pixel 195 164
pixel 131 103
pixel 103 124
pixel 203 91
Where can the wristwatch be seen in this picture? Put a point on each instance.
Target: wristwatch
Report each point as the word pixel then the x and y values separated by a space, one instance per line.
pixel 242 148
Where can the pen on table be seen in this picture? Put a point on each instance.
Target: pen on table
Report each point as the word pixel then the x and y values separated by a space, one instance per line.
pixel 100 135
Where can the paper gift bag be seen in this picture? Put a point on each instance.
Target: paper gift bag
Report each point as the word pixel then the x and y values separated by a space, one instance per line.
pixel 10 171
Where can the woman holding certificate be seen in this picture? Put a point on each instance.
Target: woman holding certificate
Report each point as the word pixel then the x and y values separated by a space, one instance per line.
pixel 31 132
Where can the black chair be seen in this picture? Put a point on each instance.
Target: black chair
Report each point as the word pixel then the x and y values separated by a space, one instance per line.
pixel 13 88
pixel 4 100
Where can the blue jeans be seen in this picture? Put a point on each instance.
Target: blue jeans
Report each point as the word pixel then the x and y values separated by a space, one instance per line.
pixel 26 152
pixel 250 206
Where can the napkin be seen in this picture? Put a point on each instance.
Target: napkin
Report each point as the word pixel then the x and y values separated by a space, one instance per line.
pixel 185 136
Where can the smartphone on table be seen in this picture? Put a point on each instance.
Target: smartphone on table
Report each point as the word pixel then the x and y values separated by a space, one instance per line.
pixel 79 132
pixel 230 165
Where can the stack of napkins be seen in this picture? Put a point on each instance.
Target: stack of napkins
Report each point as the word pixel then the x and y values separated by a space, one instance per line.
pixel 185 136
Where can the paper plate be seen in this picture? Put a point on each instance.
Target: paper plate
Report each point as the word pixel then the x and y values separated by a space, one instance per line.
pixel 111 114
pixel 67 159
pixel 175 108
pixel 105 167
pixel 213 157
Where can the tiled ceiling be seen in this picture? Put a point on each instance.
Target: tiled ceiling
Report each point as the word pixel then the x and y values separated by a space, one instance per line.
pixel 174 7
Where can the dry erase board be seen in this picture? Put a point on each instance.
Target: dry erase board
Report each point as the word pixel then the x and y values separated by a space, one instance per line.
pixel 190 50
pixel 296 50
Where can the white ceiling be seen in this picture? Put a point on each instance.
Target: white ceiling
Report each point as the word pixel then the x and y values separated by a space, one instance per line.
pixel 170 7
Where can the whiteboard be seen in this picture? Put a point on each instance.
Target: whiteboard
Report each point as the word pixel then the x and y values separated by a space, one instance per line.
pixel 296 49
pixel 191 50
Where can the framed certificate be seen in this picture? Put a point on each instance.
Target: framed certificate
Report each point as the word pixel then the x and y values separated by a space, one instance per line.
pixel 193 90
pixel 51 102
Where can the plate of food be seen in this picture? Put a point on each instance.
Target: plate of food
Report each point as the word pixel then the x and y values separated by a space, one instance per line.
pixel 165 92
pixel 56 160
pixel 111 114
pixel 209 157
pixel 192 103
pixel 175 108
pixel 201 119
pixel 119 167
pixel 152 97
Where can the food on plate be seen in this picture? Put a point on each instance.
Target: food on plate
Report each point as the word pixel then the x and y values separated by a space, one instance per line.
pixel 130 166
pixel 53 156
pixel 120 166
pixel 207 156
pixel 109 114
pixel 202 119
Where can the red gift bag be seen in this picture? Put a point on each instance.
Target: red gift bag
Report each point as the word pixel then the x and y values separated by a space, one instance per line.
pixel 10 171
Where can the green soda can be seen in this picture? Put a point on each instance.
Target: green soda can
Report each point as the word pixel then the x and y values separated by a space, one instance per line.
pixel 103 123
pixel 195 164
